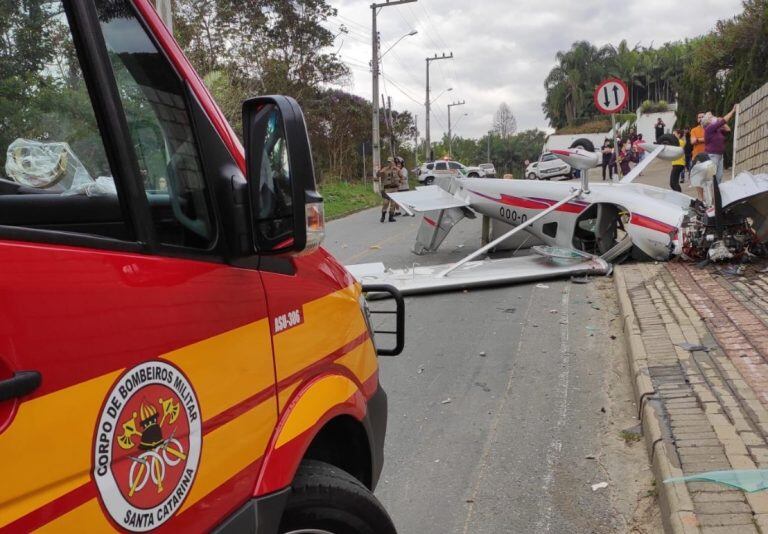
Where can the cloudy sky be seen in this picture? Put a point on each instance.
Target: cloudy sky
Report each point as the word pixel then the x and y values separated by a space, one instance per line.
pixel 503 48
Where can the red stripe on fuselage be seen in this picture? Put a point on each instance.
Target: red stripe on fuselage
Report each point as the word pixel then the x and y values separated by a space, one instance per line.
pixel 533 203
pixel 651 224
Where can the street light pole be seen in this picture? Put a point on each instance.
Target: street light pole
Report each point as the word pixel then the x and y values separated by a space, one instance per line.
pixel 450 134
pixel 427 104
pixel 375 148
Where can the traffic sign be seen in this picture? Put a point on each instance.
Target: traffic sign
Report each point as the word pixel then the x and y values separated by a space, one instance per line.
pixel 611 96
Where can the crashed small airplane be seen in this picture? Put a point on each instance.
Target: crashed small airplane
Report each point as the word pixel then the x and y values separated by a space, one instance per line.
pixel 584 227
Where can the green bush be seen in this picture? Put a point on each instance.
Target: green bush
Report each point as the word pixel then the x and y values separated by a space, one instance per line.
pixel 654 107
pixel 594 126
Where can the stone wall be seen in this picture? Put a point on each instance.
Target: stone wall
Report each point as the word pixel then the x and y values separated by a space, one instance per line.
pixel 752 143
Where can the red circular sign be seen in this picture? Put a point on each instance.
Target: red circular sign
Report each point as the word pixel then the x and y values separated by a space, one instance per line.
pixel 611 96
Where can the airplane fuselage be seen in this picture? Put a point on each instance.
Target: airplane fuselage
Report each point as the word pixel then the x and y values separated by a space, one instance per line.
pixel 652 216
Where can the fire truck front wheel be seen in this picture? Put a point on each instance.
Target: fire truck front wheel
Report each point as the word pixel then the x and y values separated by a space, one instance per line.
pixel 325 498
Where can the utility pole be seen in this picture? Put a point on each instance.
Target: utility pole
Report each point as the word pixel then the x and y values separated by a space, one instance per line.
pixel 391 127
pixel 165 11
pixel 416 140
pixel 375 148
pixel 427 103
pixel 489 147
pixel 450 134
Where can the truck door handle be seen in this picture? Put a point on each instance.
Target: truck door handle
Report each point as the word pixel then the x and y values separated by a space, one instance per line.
pixel 22 383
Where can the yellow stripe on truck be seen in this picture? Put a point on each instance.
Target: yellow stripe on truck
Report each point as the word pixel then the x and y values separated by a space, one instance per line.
pixel 219 462
pixel 220 368
pixel 321 396
pixel 361 361
pixel 50 439
pixel 329 323
pixel 85 518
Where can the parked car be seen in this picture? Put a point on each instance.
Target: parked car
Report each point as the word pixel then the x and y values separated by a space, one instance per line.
pixel 549 166
pixel 531 171
pixel 475 172
pixel 429 171
pixel 490 170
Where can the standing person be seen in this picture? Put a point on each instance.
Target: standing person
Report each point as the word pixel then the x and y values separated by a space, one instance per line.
pixel 659 128
pixel 625 157
pixel 698 139
pixel 403 174
pixel 688 150
pixel 390 182
pixel 678 166
pixel 715 129
pixel 637 146
pixel 607 155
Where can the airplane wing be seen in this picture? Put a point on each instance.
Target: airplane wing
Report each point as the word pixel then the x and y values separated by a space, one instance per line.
pixel 640 167
pixel 483 273
pixel 427 198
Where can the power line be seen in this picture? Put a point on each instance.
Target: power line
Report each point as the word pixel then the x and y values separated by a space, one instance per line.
pixel 343 29
pixel 429 18
pixel 406 70
pixel 403 91
pixel 352 22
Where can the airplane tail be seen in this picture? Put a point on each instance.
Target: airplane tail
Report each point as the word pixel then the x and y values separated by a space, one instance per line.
pixel 441 208
pixel 435 226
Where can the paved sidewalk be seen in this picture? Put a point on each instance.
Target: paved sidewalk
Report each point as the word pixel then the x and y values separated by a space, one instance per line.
pixel 701 411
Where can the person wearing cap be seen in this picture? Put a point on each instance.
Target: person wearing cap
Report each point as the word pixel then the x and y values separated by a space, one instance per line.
pixel 390 182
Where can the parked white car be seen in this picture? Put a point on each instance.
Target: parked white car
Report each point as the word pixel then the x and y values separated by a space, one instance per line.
pixel 549 166
pixel 429 171
pixel 476 172
pixel 531 171
pixel 490 170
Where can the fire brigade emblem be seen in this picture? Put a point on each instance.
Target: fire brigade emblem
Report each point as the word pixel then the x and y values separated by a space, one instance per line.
pixel 147 446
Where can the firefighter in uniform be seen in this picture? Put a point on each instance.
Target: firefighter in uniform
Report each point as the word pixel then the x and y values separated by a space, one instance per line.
pixel 390 182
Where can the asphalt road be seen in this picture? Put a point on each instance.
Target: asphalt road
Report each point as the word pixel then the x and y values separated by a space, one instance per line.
pixel 507 404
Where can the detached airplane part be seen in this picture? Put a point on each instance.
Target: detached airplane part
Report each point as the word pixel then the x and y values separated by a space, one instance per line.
pixel 427 279
pixel 600 222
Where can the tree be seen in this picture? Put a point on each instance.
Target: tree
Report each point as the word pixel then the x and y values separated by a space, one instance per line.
pixel 504 122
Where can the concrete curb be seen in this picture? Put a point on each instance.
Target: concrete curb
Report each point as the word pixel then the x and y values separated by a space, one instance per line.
pixel 675 500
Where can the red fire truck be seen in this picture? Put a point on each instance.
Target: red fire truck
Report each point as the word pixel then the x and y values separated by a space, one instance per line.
pixel 177 352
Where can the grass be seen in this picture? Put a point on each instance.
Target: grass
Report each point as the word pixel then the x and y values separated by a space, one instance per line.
pixel 342 198
pixel 595 126
pixel 629 436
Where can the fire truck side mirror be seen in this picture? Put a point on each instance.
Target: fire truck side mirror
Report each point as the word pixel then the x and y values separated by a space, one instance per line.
pixel 286 209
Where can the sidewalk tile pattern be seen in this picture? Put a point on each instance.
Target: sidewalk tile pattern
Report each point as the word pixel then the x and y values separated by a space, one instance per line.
pixel 711 405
